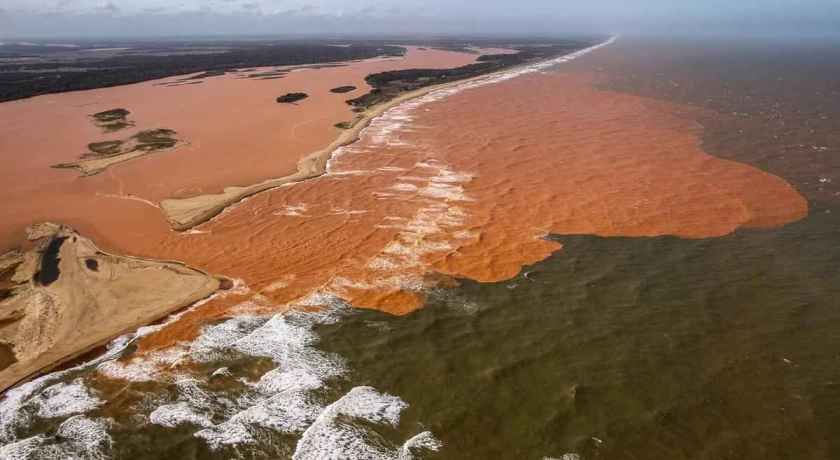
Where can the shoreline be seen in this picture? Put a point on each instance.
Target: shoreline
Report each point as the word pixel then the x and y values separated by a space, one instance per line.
pixel 88 309
pixel 186 213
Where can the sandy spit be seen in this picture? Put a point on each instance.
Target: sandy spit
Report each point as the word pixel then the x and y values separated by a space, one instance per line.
pixel 68 297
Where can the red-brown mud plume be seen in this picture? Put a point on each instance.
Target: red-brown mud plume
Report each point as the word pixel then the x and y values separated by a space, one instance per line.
pixel 466 185
pixel 469 185
pixel 235 134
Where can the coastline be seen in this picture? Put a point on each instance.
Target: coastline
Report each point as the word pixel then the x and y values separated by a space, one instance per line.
pixel 67 297
pixel 186 213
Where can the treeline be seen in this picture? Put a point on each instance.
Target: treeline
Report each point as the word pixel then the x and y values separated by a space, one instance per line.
pixel 388 85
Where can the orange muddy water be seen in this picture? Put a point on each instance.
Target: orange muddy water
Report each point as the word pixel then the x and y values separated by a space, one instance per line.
pixel 236 134
pixel 469 185
pixel 466 185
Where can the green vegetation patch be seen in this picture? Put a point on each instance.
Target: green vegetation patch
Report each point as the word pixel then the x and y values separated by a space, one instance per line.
pixel 155 139
pixel 145 141
pixel 344 125
pixel 105 148
pixel 112 120
pixel 390 84
pixel 111 115
pixel 290 98
pixel 208 74
pixel 343 89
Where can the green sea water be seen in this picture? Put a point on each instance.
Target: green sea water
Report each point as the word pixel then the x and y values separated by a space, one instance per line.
pixel 625 348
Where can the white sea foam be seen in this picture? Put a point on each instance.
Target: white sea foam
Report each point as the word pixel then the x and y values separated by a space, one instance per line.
pixel 45 397
pixel 63 399
pixel 420 442
pixel 87 437
pixel 175 414
pixel 24 449
pixel 78 437
pixel 292 210
pixel 282 399
pixel 404 187
pixel 331 437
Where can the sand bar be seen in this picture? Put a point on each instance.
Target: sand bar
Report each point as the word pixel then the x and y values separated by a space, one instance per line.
pixel 65 296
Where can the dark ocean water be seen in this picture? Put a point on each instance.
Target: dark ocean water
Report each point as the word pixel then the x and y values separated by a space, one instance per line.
pixel 625 348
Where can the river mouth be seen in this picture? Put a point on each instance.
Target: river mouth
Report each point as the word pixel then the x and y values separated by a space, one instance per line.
pixel 528 318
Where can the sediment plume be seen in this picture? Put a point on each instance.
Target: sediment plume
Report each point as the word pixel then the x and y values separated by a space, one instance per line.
pixel 522 159
pixel 465 181
pixel 233 133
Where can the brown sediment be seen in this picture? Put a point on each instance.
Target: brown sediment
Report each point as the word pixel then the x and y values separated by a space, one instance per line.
pixel 473 189
pixel 59 307
pixel 470 190
pixel 186 213
pixel 236 134
pixel 757 112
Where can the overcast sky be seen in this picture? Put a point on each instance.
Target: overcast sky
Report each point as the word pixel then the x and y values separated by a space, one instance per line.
pixel 67 18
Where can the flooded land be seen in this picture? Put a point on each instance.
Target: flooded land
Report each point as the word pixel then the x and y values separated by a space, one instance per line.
pixel 628 251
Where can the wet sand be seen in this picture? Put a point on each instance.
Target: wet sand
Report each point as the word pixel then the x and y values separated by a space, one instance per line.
pixel 545 153
pixel 236 134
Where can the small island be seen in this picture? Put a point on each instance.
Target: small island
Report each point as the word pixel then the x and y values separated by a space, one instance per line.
pixel 145 141
pixel 112 120
pixel 343 89
pixel 103 154
pixel 291 98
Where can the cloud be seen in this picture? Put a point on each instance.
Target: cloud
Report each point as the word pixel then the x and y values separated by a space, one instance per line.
pixel 64 4
pixel 110 8
pixel 33 18
pixel 304 10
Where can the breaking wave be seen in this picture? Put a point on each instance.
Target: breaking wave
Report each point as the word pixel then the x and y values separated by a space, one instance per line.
pixel 226 408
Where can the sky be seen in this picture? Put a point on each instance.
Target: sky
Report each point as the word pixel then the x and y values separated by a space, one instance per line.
pixel 150 18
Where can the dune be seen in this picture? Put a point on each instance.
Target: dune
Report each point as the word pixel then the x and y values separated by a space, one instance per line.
pixel 65 296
